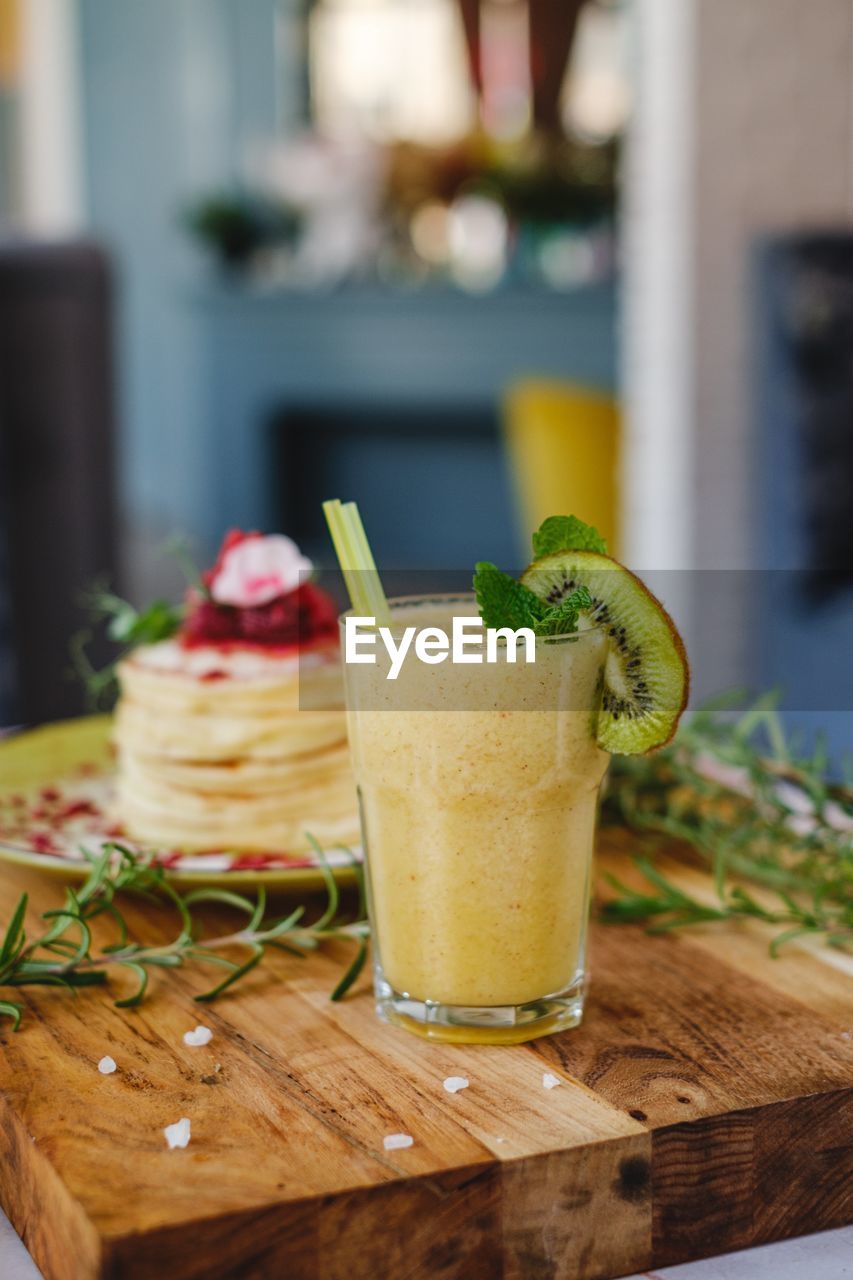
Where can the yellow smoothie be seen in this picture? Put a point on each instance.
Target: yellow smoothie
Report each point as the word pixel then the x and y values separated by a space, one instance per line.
pixel 478 787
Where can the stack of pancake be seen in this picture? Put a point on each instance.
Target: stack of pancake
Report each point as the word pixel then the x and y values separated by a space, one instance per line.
pixel 234 749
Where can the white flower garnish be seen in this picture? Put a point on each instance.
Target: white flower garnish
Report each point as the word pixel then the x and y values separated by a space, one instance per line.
pixel 397 1141
pixel 178 1134
pixel 454 1083
pixel 549 1081
pixel 259 569
pixel 107 1065
pixel 201 1035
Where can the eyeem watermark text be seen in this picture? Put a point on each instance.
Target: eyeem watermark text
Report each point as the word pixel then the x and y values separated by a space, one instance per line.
pixel 469 641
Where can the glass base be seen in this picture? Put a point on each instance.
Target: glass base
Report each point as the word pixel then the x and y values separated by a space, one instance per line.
pixel 488 1024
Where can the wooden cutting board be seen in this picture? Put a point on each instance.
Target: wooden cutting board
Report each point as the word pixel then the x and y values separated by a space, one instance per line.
pixel 706 1105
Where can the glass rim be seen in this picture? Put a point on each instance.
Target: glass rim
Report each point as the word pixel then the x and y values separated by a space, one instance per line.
pixel 445 597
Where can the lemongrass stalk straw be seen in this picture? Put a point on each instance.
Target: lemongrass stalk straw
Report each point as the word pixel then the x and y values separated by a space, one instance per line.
pixel 356 560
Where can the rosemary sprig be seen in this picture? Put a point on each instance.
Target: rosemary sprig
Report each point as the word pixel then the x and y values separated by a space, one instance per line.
pixel 755 809
pixel 62 955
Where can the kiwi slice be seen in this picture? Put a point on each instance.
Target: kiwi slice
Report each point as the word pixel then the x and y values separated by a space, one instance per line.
pixel 646 679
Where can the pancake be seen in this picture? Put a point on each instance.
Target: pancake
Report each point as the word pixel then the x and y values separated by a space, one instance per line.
pixel 230 748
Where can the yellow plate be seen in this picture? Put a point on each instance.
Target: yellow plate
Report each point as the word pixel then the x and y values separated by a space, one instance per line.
pixel 74 758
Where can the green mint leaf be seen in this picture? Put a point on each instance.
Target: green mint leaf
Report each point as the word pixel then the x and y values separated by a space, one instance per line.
pixel 129 626
pixel 561 619
pixel 566 533
pixel 158 622
pixel 503 602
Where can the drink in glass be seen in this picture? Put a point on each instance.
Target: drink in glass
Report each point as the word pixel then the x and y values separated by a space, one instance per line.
pixel 478 787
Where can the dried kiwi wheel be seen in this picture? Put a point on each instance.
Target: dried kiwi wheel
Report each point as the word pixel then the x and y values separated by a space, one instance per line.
pixel 646 679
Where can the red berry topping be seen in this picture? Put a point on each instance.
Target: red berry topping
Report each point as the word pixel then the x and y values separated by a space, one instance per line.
pixel 304 616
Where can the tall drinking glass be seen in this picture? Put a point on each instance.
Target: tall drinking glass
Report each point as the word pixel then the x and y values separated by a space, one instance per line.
pixel 478 787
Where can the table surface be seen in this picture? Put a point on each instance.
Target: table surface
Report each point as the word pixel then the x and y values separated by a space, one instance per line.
pixel 828 1256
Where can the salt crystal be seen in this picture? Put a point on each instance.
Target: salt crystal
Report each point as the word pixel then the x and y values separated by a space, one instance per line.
pixel 201 1035
pixel 454 1083
pixel 397 1141
pixel 107 1066
pixel 549 1081
pixel 178 1134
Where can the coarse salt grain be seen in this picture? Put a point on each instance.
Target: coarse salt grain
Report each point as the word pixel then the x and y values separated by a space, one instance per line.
pixel 178 1134
pixel 201 1035
pixel 549 1081
pixel 397 1141
pixel 107 1066
pixel 454 1083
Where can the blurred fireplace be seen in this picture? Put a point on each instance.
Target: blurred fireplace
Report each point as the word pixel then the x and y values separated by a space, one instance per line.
pixel 386 397
pixel 432 483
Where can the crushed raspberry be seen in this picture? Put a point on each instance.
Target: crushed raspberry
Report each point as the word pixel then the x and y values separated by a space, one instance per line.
pixel 43 843
pixel 301 617
pixel 50 795
pixel 209 623
pixel 277 621
pixel 214 675
pixel 78 809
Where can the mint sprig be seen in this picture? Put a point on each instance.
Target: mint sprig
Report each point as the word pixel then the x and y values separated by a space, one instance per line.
pixel 504 602
pixel 566 533
pixel 562 619
pixel 129 626
pixel 125 626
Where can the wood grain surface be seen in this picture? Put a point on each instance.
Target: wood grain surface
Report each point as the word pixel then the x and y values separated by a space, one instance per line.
pixel 706 1105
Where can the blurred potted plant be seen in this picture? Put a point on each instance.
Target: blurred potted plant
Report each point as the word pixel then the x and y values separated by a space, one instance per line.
pixel 236 228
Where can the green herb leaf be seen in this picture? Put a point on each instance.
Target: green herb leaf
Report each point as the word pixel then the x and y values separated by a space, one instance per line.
pixel 240 972
pixel 566 533
pixel 62 955
pixel 127 627
pixel 747 829
pixel 562 619
pixel 142 974
pixel 8 1009
pixel 178 548
pixel 332 892
pixel 15 937
pixel 159 621
pixel 504 602
pixel 352 972
pixel 225 896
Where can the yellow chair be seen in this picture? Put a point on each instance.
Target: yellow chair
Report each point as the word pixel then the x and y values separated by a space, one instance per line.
pixel 563 444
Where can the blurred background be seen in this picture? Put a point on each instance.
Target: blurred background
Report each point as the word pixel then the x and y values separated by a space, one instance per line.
pixel 469 262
